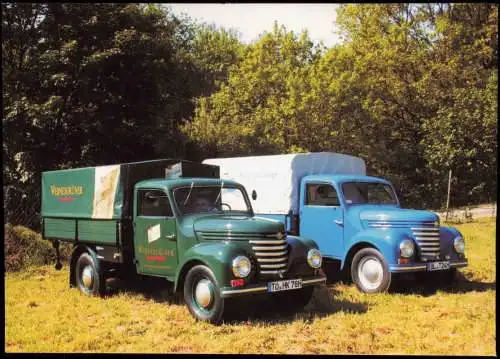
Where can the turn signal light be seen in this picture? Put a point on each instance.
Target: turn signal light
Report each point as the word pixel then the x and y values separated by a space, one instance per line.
pixel 237 282
pixel 403 260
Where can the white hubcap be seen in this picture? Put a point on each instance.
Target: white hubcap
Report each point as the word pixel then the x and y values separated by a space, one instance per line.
pixel 87 275
pixel 370 273
pixel 203 293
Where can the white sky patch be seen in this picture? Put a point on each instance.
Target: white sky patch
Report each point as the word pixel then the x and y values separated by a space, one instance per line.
pixel 251 20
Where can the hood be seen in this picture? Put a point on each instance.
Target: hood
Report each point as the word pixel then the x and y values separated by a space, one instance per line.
pixel 227 224
pixel 397 215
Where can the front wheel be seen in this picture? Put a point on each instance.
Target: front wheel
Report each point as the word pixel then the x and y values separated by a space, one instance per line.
pixel 202 295
pixel 370 271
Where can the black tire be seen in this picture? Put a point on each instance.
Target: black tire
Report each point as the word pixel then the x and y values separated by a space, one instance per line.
pixel 214 310
pixel 376 260
pixel 292 301
pixel 86 263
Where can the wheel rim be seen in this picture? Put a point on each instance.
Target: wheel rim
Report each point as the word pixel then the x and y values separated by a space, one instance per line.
pixel 87 277
pixel 370 273
pixel 204 294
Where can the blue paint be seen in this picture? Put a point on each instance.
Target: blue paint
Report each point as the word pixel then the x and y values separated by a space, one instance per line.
pixel 344 224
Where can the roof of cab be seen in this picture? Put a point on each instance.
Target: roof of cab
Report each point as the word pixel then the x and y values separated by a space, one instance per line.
pixel 339 178
pixel 180 182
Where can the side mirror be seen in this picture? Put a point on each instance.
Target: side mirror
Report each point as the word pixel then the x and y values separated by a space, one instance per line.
pixel 254 195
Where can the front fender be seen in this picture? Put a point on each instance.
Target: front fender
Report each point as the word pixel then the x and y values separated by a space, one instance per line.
pixel 386 241
pixel 446 237
pixel 218 256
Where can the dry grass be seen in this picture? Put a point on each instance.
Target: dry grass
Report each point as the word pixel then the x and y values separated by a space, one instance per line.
pixel 44 315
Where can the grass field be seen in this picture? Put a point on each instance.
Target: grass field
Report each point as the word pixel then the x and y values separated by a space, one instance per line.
pixel 44 315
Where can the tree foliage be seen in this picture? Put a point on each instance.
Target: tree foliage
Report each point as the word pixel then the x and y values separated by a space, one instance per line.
pixel 411 90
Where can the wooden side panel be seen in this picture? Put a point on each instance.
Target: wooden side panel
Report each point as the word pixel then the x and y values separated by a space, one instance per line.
pixel 97 231
pixel 59 228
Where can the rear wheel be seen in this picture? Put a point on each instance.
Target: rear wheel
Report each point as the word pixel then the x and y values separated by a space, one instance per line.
pixel 370 272
pixel 202 295
pixel 87 275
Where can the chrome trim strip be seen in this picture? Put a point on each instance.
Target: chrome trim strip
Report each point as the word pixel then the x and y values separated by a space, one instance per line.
pixel 269 248
pixel 455 264
pixel 425 228
pixel 273 265
pixel 427 238
pixel 407 268
pixel 270 254
pixel 272 271
pixel 247 290
pixel 268 242
pixel 269 260
pixel 315 280
pixel 426 234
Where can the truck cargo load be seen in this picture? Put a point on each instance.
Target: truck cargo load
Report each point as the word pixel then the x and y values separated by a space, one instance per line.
pixel 276 178
pixel 105 192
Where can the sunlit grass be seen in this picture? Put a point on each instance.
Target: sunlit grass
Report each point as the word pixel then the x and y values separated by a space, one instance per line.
pixel 44 315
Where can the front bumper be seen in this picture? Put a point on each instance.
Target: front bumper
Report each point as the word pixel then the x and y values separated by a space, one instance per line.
pixel 262 287
pixel 422 267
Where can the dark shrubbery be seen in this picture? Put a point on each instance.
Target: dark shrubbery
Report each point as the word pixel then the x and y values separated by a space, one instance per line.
pixel 24 247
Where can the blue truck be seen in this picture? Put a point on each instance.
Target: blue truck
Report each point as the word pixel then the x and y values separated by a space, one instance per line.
pixel 356 220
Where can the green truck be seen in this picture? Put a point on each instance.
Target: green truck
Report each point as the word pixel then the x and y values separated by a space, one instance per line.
pixel 177 220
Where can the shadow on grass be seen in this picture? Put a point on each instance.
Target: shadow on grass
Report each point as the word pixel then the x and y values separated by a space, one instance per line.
pixel 258 309
pixel 252 309
pixel 430 287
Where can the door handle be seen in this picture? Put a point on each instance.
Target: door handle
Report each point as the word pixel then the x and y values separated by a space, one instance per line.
pixel 170 237
pixel 339 222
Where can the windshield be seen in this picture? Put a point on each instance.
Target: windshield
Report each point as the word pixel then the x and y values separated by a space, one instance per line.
pixel 201 199
pixel 368 193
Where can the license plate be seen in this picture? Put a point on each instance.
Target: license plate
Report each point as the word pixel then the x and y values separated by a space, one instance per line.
pixel 438 265
pixel 284 285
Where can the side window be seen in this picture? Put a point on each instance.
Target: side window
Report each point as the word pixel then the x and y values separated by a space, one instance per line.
pixel 320 194
pixel 153 203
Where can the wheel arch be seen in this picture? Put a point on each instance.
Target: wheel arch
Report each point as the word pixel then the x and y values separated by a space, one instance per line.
pixel 75 254
pixel 181 276
pixel 346 263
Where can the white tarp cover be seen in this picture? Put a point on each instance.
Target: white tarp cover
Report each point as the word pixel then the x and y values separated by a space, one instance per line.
pixel 276 178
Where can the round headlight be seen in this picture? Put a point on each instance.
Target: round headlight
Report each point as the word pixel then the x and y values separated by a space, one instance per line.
pixel 241 266
pixel 406 248
pixel 314 258
pixel 459 244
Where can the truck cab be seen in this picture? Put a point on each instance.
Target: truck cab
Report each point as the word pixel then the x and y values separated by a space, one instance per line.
pixel 356 220
pixel 199 233
pixel 370 234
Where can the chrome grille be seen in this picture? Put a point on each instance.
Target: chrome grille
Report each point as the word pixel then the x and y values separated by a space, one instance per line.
pixel 271 252
pixel 426 235
pixel 427 238
pixel 269 249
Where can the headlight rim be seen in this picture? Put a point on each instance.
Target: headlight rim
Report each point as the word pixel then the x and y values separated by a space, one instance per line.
pixel 459 238
pixel 235 266
pixel 401 250
pixel 310 253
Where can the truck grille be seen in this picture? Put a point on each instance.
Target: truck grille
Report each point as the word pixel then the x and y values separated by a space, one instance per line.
pixel 271 252
pixel 270 249
pixel 426 235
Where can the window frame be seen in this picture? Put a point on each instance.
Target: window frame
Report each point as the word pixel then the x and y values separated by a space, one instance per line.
pixel 138 204
pixel 306 197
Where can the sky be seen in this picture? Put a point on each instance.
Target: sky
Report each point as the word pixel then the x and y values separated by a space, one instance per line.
pixel 253 19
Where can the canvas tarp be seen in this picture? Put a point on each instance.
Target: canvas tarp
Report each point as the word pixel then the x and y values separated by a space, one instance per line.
pixel 276 178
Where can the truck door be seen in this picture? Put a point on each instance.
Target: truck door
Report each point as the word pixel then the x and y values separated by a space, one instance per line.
pixel 155 237
pixel 321 217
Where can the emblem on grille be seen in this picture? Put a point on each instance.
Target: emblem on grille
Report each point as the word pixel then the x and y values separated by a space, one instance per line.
pixel 279 235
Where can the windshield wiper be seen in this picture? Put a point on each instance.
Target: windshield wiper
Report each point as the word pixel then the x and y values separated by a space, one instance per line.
pixel 220 191
pixel 189 194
